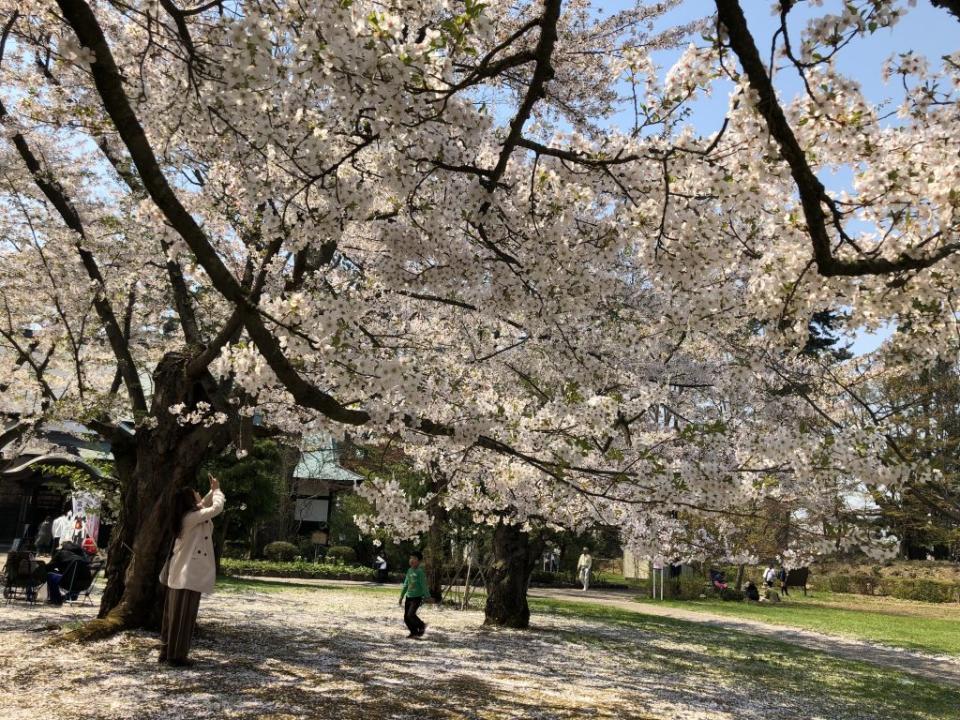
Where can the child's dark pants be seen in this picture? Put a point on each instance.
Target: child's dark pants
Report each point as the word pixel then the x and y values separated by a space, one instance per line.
pixel 414 623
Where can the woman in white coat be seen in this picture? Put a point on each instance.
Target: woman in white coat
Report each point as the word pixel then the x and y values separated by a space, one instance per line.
pixel 190 569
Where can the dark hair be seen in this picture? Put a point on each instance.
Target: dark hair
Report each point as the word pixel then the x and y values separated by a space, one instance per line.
pixel 417 554
pixel 183 502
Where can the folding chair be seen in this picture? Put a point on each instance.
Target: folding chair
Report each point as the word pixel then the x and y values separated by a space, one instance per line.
pixel 97 567
pixel 77 579
pixel 23 576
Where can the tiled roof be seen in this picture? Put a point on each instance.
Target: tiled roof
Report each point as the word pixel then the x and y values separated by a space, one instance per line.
pixel 319 461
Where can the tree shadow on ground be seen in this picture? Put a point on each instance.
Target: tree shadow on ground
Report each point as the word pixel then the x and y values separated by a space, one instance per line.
pixel 282 656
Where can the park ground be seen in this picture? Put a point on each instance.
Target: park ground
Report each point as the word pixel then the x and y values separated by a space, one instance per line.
pixel 295 650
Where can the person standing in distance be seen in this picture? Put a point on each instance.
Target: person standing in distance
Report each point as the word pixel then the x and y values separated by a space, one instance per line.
pixel 45 536
pixel 584 566
pixel 769 575
pixel 190 569
pixel 61 526
pixel 381 565
pixel 416 591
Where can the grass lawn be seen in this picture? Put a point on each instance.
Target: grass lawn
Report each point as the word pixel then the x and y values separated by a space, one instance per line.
pixel 734 658
pixel 901 623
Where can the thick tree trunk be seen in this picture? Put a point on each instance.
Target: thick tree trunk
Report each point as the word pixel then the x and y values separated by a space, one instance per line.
pixel 436 538
pixel 435 556
pixel 508 577
pixel 740 572
pixel 166 457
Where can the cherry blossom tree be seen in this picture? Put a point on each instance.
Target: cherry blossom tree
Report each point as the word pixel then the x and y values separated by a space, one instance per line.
pixel 432 221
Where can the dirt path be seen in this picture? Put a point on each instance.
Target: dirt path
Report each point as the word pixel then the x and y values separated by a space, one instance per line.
pixel 942 669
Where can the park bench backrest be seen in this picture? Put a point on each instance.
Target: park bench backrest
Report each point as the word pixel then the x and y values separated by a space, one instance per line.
pixel 798 577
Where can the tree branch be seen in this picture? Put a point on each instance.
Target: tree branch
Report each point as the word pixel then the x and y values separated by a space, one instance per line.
pixel 55 193
pixel 109 85
pixel 813 195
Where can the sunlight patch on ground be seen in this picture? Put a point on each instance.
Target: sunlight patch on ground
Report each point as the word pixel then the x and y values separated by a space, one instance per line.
pixel 343 654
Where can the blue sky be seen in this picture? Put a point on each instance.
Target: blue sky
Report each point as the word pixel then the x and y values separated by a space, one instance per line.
pixel 923 29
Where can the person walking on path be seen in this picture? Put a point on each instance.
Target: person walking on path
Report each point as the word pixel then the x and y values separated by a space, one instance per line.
pixel 381 566
pixel 769 575
pixel 415 590
pixel 782 577
pixel 584 565
pixel 190 569
pixel 45 536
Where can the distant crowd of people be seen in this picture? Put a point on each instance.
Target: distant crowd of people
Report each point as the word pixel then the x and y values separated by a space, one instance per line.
pixel 772 575
pixel 71 551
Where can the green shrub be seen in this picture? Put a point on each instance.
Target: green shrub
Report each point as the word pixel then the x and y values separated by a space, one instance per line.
pixel 308 551
pixel 342 554
pixel 904 588
pixel 544 577
pixel 838 583
pixel 731 594
pixel 920 589
pixel 859 584
pixel 236 549
pixel 297 569
pixel 280 551
pixel 687 587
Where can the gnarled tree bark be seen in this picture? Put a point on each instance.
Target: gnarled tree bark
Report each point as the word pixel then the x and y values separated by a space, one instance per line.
pixel 153 464
pixel 508 577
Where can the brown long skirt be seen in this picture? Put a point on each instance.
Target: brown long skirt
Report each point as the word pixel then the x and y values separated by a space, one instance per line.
pixel 179 619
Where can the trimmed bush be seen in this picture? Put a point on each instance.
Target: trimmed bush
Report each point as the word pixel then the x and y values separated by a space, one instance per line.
pixel 307 550
pixel 298 569
pixel 545 577
pixel 280 551
pixel 235 549
pixel 904 588
pixel 342 554
pixel 919 589
pixel 564 578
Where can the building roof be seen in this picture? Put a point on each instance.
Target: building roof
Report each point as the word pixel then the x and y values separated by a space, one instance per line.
pixel 50 444
pixel 321 462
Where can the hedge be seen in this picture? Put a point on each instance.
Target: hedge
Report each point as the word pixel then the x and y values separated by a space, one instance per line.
pixel 904 588
pixel 296 569
pixel 280 551
pixel 545 578
pixel 342 554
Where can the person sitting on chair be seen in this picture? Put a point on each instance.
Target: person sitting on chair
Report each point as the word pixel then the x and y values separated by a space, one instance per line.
pixel 719 579
pixel 62 565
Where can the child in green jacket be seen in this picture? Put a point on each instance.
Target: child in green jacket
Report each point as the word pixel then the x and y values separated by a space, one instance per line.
pixel 415 590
